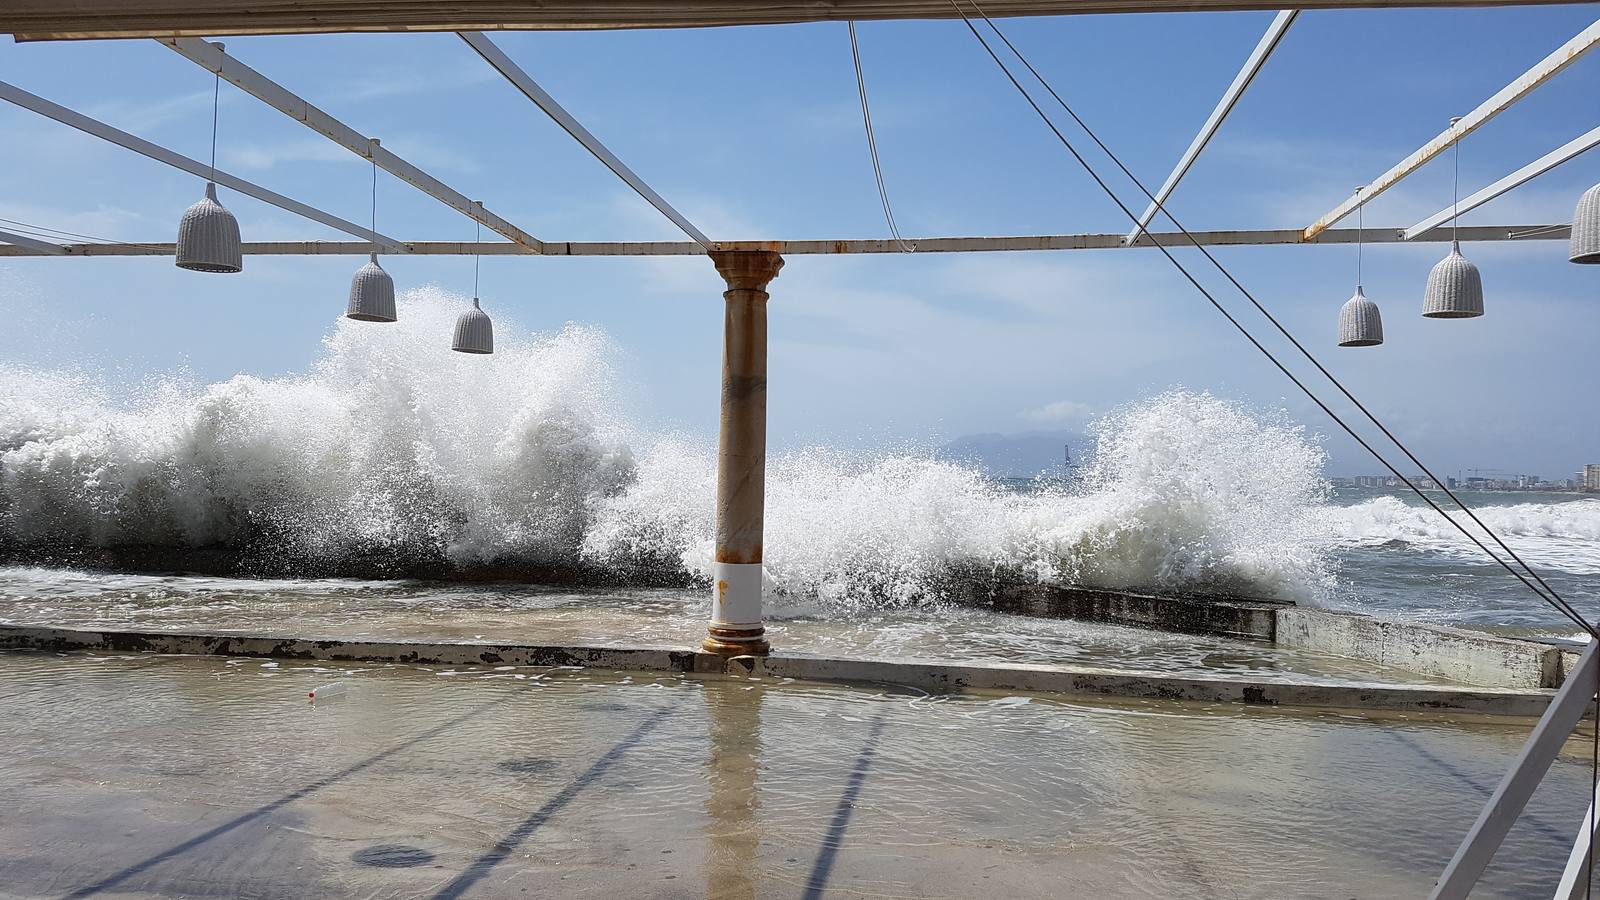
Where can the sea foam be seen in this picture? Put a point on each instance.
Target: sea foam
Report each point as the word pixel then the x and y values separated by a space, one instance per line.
pixel 394 456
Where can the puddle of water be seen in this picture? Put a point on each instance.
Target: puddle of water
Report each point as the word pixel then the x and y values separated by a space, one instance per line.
pixel 174 776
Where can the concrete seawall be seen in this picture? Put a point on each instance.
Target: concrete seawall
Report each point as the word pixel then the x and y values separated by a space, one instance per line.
pixel 1458 655
pixel 1455 654
pixel 920 674
pixel 1252 619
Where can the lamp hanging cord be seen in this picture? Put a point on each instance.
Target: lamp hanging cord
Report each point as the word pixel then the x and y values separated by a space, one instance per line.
pixel 475 257
pixel 216 98
pixel 872 144
pixel 1455 203
pixel 1361 226
pixel 1552 598
pixel 1547 593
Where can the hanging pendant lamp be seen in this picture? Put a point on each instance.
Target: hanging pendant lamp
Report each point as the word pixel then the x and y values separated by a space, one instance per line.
pixel 474 331
pixel 371 294
pixel 1586 228
pixel 208 235
pixel 1455 289
pixel 1360 324
pixel 371 288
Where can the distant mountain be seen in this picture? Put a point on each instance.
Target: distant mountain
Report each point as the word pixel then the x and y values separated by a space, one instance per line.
pixel 1017 455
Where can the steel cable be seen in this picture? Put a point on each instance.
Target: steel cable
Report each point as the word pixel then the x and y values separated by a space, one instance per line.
pixel 1553 598
pixel 872 145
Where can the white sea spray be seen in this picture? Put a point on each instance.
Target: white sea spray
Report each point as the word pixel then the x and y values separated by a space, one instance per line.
pixel 391 447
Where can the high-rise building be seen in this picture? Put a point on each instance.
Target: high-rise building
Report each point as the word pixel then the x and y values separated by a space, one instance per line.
pixel 1590 481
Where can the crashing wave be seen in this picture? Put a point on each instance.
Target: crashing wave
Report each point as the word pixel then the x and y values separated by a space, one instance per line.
pixel 393 456
pixel 1561 535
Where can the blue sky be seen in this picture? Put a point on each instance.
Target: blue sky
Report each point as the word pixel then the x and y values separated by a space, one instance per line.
pixel 755 133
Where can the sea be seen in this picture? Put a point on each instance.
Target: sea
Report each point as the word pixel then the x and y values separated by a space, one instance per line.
pixel 398 485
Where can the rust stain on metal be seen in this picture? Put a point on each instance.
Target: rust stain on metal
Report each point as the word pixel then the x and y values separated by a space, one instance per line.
pixel 750 553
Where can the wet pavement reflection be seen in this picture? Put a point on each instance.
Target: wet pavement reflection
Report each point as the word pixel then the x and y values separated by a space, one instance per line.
pixel 180 776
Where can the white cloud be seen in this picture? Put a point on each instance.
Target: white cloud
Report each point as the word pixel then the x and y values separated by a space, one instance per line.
pixel 144 115
pixel 428 152
pixel 259 155
pixel 1060 412
pixel 401 81
pixel 420 150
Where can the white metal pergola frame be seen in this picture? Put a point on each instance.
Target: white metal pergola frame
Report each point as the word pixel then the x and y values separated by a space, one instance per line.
pixel 95 127
pixel 1000 244
pixel 1568 151
pixel 1499 102
pixel 211 57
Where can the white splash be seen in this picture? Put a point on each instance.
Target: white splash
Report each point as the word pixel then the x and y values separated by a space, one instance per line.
pixel 393 448
pixel 1186 491
pixel 392 444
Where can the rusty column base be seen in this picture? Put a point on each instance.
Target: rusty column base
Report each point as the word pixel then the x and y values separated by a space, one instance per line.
pixel 727 641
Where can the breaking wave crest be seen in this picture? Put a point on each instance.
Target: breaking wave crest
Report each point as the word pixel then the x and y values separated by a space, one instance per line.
pixel 394 456
pixel 1563 535
pixel 1185 492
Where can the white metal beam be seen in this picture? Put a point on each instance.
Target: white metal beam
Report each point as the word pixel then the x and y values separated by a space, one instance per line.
pixel 1547 68
pixel 43 248
pixel 1574 882
pixel 1516 179
pixel 79 19
pixel 1509 798
pixel 211 58
pixel 1230 98
pixel 101 130
pixel 1012 244
pixel 513 73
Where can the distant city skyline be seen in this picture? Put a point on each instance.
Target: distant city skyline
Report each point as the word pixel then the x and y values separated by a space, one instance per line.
pixel 1516 483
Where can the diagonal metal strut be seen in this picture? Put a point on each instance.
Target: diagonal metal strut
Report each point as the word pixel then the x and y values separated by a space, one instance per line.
pixel 43 107
pixel 524 82
pixel 210 57
pixel 1230 98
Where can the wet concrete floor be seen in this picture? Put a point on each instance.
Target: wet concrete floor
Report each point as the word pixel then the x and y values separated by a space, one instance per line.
pixel 149 776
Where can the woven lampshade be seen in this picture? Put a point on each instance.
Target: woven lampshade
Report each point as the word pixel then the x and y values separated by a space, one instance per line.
pixel 1360 324
pixel 1455 290
pixel 1586 228
pixel 208 237
pixel 371 294
pixel 474 331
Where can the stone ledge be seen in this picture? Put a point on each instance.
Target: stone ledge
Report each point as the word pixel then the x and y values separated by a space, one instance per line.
pixel 1229 617
pixel 1462 656
pixel 1455 654
pixel 921 674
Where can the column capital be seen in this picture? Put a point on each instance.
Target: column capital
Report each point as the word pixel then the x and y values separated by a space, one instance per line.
pixel 747 270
